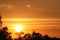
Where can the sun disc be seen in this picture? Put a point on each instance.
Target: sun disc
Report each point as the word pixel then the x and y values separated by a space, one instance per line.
pixel 18 28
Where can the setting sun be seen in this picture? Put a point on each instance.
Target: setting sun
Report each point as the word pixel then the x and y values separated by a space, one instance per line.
pixel 29 19
pixel 18 28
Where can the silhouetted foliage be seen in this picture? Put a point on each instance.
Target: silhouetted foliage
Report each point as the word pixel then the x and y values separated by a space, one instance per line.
pixel 4 35
pixel 46 37
pixel 20 38
pixel 36 36
pixel 15 39
pixel 27 36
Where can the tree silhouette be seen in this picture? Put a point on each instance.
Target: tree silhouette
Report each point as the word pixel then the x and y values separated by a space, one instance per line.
pixel 36 36
pixel 19 38
pixel 4 35
pixel 27 36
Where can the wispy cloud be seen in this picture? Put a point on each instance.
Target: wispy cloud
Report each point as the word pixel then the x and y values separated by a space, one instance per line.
pixel 6 6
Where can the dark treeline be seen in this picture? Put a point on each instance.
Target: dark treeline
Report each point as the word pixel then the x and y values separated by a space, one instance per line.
pixel 5 35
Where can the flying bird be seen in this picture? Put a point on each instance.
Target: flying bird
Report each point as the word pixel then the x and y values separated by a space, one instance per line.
pixel 28 3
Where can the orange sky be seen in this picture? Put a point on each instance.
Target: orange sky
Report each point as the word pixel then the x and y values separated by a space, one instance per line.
pixel 44 26
pixel 43 15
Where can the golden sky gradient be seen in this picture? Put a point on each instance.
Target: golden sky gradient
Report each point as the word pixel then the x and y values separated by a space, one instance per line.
pixel 45 26
pixel 39 15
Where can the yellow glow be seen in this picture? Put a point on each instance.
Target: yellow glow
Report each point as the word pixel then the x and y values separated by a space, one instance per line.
pixel 18 28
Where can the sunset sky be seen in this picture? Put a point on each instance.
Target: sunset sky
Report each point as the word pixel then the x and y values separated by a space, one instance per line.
pixel 39 15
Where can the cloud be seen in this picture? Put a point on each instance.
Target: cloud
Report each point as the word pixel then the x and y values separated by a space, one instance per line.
pixel 6 6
